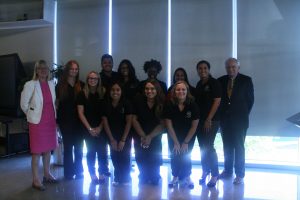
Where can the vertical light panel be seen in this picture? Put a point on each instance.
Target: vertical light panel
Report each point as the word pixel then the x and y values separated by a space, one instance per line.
pixel 110 27
pixel 234 28
pixel 169 45
pixel 55 34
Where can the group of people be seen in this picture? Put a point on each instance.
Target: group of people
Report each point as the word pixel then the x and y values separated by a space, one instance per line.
pixel 112 108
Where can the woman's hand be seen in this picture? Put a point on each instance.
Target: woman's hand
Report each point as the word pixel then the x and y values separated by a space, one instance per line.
pixel 184 147
pixel 147 141
pixel 121 145
pixel 176 148
pixel 207 125
pixel 92 132
pixel 97 130
pixel 114 144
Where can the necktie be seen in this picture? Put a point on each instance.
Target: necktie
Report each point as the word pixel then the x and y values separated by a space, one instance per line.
pixel 230 87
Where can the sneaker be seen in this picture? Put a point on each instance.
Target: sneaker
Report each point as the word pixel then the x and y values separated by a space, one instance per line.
pixel 238 181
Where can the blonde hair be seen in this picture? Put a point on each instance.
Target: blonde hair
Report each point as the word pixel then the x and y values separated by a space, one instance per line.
pixel 189 97
pixel 37 65
pixel 100 90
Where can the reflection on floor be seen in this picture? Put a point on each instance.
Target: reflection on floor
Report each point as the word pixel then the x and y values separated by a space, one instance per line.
pixel 15 183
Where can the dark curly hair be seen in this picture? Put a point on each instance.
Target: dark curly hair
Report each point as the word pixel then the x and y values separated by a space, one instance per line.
pixel 152 63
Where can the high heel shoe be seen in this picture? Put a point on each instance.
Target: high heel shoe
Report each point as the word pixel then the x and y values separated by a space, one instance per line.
pixel 202 180
pixel 213 181
pixel 38 187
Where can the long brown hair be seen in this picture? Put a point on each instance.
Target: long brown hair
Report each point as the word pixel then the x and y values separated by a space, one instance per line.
pixel 63 82
pixel 159 98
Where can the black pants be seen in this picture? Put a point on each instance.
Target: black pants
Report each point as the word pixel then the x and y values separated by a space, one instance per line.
pixel 121 162
pixel 181 164
pixel 73 143
pixel 149 159
pixel 233 137
pixel 97 145
pixel 209 158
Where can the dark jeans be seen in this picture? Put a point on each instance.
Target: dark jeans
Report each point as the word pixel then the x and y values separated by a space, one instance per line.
pixel 233 137
pixel 97 145
pixel 209 158
pixel 121 162
pixel 181 164
pixel 73 143
pixel 149 159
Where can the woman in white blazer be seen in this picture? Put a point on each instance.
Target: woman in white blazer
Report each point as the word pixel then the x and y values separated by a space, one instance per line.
pixel 38 103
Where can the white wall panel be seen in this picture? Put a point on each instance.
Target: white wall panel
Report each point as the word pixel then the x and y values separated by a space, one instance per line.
pixel 140 33
pixel 269 49
pixel 82 33
pixel 201 29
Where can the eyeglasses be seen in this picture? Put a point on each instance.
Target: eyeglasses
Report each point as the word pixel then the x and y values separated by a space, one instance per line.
pixel 93 79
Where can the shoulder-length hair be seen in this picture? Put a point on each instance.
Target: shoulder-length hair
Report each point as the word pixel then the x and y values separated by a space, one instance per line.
pixel 100 89
pixel 63 81
pixel 131 75
pixel 159 98
pixel 189 97
pixel 38 64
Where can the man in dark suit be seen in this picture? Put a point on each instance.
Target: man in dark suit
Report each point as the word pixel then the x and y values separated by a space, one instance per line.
pixel 236 104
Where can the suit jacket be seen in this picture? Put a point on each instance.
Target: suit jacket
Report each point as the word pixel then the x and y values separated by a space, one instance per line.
pixel 237 108
pixel 32 100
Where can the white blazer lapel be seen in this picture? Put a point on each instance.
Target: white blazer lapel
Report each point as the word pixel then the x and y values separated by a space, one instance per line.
pixel 38 90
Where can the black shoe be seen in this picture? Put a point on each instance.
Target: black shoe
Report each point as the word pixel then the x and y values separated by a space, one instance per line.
pixel 202 180
pixel 212 182
pixel 225 175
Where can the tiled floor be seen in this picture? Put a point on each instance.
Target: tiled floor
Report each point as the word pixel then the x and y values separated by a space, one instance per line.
pixel 15 183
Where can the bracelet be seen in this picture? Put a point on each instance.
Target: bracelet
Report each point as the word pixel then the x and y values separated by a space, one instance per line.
pixel 90 129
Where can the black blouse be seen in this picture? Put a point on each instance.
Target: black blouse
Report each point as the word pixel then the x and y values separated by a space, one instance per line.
pixel 116 117
pixel 146 116
pixel 92 107
pixel 206 93
pixel 181 120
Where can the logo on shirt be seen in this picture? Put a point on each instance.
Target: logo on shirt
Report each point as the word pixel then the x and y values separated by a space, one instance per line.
pixel 122 110
pixel 188 114
pixel 206 89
